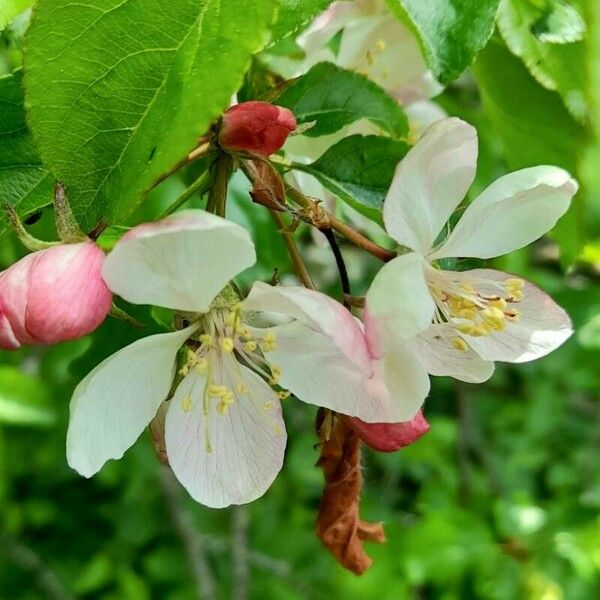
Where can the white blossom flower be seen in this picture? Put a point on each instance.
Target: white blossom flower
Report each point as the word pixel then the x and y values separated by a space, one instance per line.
pixel 224 433
pixel 466 320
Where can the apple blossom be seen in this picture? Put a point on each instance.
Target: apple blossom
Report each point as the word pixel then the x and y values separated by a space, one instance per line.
pixel 224 433
pixel 53 295
pixel 256 126
pixel 465 320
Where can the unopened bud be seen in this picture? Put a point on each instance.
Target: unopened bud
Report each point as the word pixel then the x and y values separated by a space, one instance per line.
pixel 388 437
pixel 53 295
pixel 257 127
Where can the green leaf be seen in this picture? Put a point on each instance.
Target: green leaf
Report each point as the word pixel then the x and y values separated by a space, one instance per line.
pixel 295 14
pixel 534 127
pixel 359 170
pixel 333 97
pixel 23 399
pixel 119 91
pixel 450 32
pixel 559 67
pixel 560 23
pixel 24 182
pixel 9 9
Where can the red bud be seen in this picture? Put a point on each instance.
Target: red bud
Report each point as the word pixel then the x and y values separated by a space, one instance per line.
pixel 257 127
pixel 389 437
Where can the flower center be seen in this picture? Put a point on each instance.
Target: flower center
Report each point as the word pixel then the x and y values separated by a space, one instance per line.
pixel 224 344
pixel 474 308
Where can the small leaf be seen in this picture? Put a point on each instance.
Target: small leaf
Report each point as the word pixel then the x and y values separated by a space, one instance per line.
pixel 560 24
pixel 24 182
pixel 9 9
pixel 295 14
pixel 359 170
pixel 119 91
pixel 559 67
pixel 333 97
pixel 23 399
pixel 450 32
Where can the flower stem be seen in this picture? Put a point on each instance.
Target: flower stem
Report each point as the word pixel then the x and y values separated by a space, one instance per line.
pixel 200 186
pixel 323 219
pixel 299 266
pixel 217 194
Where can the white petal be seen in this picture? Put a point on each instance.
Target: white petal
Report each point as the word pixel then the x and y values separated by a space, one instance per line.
pixel 317 372
pixel 542 327
pixel 512 212
pixel 437 354
pixel 402 380
pixel 181 262
pixel 114 403
pixel 430 182
pixel 318 311
pixel 398 304
pixel 225 459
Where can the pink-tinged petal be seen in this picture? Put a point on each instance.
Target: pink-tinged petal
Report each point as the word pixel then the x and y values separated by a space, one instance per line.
pixel 256 126
pixel 67 295
pixel 512 212
pixel 181 262
pixel 389 437
pixel 113 405
pixel 8 341
pixel 398 304
pixel 315 310
pixel 224 459
pixel 430 182
pixel 541 327
pixel 54 295
pixel 434 349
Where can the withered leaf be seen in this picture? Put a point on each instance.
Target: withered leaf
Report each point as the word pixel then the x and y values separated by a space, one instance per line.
pixel 339 525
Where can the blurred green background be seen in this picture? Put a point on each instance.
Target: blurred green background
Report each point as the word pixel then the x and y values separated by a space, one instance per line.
pixel 499 501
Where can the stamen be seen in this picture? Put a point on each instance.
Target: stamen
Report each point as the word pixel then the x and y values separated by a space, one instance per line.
pixel 226 344
pixel 460 344
pixel 186 404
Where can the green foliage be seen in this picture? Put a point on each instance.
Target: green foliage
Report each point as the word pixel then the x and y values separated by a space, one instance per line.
pixel 450 32
pixel 528 26
pixel 535 128
pixel 24 182
pixel 333 97
pixel 137 104
pixel 294 14
pixel 9 9
pixel 359 170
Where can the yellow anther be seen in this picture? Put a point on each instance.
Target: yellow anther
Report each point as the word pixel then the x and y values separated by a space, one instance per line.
pixel 228 397
pixel 268 405
pixel 514 283
pixel 244 332
pixel 222 408
pixel 460 344
pixel 481 330
pixel 242 388
pixel 269 341
pixel 226 344
pixel 231 319
pixel 467 288
pixel 468 313
pixel 466 328
pixel 437 292
pixel 186 403
pixel 380 45
pixel 515 296
pixel 201 366
pixel 498 303
pixel 184 370
pixel 283 394
pixel 275 375
pixel 206 339
pixel 494 317
pixel 218 391
pixel 250 346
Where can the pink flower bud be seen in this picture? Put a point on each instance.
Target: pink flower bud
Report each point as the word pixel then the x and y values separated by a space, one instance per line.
pixel 388 437
pixel 257 127
pixel 53 295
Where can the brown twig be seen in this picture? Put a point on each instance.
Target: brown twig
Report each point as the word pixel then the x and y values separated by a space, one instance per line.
pixel 323 219
pixel 299 266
